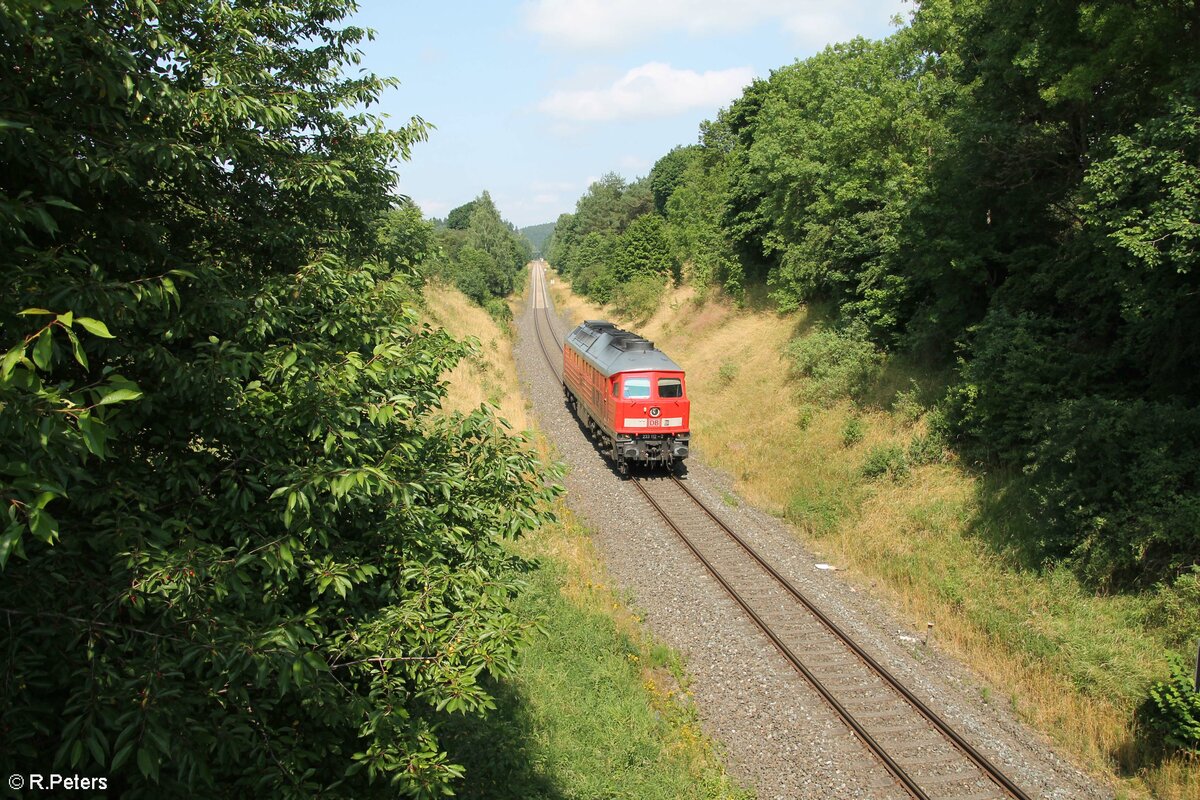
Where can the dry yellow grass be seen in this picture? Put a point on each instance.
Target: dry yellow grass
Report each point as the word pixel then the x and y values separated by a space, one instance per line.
pixel 488 376
pixel 491 377
pixel 909 541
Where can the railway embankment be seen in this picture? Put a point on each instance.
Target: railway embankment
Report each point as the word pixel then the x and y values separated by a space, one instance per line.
pixel 594 707
pixel 856 468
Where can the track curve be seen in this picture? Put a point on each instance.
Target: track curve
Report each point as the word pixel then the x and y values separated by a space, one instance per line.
pixel 926 757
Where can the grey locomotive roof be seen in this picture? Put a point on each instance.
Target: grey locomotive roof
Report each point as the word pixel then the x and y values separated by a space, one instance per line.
pixel 612 350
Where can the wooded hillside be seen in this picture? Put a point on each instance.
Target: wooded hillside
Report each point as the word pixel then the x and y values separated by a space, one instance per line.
pixel 1004 191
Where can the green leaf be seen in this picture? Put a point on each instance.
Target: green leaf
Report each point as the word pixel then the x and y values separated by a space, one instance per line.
pixel 11 359
pixel 30 311
pixel 121 757
pixel 77 349
pixel 43 350
pixel 59 202
pixel 43 525
pixel 94 327
pixel 9 541
pixel 146 763
pixel 94 434
pixel 119 396
pixel 96 745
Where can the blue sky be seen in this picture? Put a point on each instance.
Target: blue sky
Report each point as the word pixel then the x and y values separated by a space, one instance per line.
pixel 535 99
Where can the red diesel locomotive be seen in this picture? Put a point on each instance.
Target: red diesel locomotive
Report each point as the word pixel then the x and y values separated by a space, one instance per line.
pixel 627 393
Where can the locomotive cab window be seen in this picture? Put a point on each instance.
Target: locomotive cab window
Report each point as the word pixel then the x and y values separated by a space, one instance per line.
pixel 670 387
pixel 636 388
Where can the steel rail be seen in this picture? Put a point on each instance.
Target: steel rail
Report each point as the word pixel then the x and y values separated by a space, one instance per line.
pixel 546 309
pixel 889 763
pixel 541 287
pixel 981 762
pixel 992 772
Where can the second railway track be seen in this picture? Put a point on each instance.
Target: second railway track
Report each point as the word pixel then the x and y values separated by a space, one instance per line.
pixel 922 753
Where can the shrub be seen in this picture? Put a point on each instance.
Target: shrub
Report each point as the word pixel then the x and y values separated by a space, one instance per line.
pixel 638 298
pixel 498 309
pixel 837 363
pixel 805 415
pixel 1172 709
pixel 927 448
pixel 727 373
pixel 852 432
pixel 907 404
pixel 889 460
pixel 597 283
pixel 1175 607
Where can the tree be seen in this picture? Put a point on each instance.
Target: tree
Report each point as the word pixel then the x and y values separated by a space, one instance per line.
pixel 667 174
pixel 241 553
pixel 643 250
pixel 406 240
pixel 459 218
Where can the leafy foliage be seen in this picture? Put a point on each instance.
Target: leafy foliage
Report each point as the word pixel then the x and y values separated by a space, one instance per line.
pixel 1009 187
pixel 483 255
pixel 613 237
pixel 1172 709
pixel 835 362
pixel 243 556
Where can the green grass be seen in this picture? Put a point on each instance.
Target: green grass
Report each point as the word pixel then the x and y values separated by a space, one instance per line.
pixel 594 710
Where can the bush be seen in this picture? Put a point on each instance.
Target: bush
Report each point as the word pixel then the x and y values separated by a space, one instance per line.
pixel 907 404
pixel 1174 607
pixel 817 512
pixel 889 460
pixel 639 297
pixel 837 363
pixel 597 283
pixel 1116 478
pixel 727 373
pixel 498 309
pixel 852 432
pixel 927 448
pixel 1172 709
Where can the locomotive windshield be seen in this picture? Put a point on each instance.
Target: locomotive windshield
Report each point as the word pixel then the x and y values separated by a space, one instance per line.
pixel 637 388
pixel 670 387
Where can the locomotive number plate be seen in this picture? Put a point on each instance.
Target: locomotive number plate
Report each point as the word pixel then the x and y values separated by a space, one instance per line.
pixel 655 423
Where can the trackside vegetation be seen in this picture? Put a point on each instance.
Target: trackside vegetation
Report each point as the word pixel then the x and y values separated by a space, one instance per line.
pixel 1004 190
pixel 593 707
pixel 243 552
pixel 875 490
pixel 481 254
pixel 999 199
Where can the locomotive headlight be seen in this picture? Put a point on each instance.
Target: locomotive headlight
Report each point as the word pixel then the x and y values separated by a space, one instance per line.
pixel 655 411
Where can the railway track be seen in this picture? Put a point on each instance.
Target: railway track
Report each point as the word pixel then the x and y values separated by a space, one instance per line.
pixel 922 753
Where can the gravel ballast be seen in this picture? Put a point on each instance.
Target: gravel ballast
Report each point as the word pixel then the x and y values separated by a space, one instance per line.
pixel 778 735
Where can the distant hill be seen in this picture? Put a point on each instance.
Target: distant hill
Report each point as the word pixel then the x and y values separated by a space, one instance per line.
pixel 537 235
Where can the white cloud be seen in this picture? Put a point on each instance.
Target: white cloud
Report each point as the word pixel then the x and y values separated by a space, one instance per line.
pixel 651 90
pixel 615 23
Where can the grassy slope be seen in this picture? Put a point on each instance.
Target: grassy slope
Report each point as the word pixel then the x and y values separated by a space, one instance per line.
pixel 595 709
pixel 1072 664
